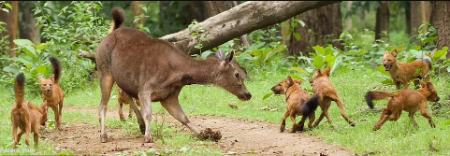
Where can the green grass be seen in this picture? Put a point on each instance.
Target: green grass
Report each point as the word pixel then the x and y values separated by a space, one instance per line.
pixel 395 138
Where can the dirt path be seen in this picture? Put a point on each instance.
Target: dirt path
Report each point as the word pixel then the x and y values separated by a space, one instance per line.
pixel 238 137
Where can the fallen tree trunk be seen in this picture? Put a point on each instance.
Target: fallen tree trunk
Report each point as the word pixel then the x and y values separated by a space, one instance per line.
pixel 239 20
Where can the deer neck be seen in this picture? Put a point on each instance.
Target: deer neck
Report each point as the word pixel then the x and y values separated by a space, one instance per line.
pixel 201 72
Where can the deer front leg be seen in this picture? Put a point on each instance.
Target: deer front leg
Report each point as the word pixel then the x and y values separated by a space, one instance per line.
pixel 146 112
pixel 172 106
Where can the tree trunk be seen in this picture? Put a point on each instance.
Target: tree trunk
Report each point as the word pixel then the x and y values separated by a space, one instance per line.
pixel 11 20
pixel 382 21
pixel 322 25
pixel 28 29
pixel 239 20
pixel 419 13
pixel 137 11
pixel 441 20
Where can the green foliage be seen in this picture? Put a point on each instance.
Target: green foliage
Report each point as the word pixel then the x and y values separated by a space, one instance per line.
pixel 4 42
pixel 67 31
pixel 196 31
pixel 30 60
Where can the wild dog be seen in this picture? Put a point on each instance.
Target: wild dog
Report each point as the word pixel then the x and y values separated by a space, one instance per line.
pixel 25 117
pixel 408 100
pixel 155 70
pixel 124 98
pixel 52 94
pixel 296 106
pixel 326 93
pixel 401 73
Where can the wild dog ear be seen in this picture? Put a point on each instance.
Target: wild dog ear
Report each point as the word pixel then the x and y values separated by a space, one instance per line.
pixel 230 57
pixel 394 52
pixel 290 81
pixel 327 71
pixel 41 78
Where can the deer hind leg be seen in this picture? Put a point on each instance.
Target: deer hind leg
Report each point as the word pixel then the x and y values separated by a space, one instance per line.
pixel 138 114
pixel 341 107
pixel 130 109
pixel 146 112
pixel 106 83
pixel 425 113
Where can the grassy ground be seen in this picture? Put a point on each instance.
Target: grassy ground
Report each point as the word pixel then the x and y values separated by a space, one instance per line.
pixel 395 138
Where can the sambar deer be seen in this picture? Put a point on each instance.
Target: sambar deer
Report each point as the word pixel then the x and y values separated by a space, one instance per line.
pixel 155 70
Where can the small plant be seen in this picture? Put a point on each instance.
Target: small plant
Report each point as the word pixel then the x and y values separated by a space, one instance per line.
pixel 196 32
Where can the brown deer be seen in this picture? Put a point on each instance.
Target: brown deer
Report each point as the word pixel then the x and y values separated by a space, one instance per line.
pixel 155 70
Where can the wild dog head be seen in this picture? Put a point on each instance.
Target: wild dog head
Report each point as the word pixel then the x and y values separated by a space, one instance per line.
pixel 282 86
pixel 389 59
pixel 428 86
pixel 231 76
pixel 46 85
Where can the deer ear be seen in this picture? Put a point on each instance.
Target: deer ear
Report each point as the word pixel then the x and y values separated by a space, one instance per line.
pixel 220 55
pixel 230 57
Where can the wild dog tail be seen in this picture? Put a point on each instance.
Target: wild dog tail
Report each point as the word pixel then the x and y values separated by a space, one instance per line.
pixel 118 18
pixel 311 105
pixel 376 95
pixel 19 89
pixel 56 69
pixel 427 60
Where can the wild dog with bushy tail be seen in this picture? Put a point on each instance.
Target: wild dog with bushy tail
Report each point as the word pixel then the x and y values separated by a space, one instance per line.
pixel 25 117
pixel 52 94
pixel 408 100
pixel 297 104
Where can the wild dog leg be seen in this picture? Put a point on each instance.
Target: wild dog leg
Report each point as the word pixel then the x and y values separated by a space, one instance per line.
pixel 283 121
pixel 122 118
pixel 324 106
pixel 413 120
pixel 172 106
pixel 301 123
pixel 106 83
pixel 57 119
pixel 15 132
pixel 341 107
pixel 146 112
pixel 384 116
pixel 60 110
pixel 139 118
pixel 312 117
pixel 294 123
pixel 426 114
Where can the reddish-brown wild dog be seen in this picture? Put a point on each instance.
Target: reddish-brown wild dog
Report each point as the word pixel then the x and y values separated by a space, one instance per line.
pixel 155 70
pixel 52 93
pixel 296 99
pixel 25 117
pixel 408 100
pixel 401 73
pixel 323 88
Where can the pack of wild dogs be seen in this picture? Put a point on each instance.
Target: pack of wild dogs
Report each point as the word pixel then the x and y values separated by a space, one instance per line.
pixel 148 70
